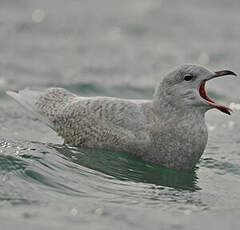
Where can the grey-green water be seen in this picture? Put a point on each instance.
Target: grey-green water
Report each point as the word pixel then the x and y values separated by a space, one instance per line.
pixel 115 48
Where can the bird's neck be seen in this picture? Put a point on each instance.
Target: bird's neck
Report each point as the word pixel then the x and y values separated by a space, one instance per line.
pixel 183 132
pixel 165 110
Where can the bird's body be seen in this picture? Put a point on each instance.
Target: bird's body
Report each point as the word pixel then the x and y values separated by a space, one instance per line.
pixel 161 130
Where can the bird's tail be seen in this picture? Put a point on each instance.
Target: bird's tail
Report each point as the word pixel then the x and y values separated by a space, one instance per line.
pixel 27 98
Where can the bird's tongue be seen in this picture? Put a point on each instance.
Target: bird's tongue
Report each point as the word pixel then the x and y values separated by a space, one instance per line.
pixel 204 95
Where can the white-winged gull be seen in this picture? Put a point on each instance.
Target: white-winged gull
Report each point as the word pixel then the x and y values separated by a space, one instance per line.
pixel 169 130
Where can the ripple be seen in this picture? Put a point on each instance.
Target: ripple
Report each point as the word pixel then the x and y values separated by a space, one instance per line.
pixel 114 90
pixel 221 167
pixel 37 172
pixel 129 167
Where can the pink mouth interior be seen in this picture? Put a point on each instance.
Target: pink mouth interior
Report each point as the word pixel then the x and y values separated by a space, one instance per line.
pixel 204 95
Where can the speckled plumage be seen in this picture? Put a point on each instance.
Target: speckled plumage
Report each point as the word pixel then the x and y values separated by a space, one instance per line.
pixel 169 130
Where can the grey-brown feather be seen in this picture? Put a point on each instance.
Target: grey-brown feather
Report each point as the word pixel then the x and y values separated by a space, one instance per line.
pixel 126 125
pixel 93 122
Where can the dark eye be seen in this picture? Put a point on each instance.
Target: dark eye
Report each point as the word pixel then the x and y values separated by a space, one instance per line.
pixel 188 77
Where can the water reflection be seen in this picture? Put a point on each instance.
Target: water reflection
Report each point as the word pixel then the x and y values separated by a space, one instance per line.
pixel 125 166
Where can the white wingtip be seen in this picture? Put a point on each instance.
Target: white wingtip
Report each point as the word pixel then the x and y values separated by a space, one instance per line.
pixel 27 99
pixel 11 94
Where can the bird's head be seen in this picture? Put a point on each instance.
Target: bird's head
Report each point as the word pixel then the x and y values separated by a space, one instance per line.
pixel 185 86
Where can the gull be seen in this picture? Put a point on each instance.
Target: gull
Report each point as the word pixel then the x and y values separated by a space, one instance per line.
pixel 169 130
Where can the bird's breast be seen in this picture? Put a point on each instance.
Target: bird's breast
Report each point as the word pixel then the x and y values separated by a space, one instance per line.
pixel 179 143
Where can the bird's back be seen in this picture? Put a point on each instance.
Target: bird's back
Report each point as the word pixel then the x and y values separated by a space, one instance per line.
pixel 101 122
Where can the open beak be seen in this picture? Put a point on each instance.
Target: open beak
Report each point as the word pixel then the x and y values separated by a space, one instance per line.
pixel 223 73
pixel 209 101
